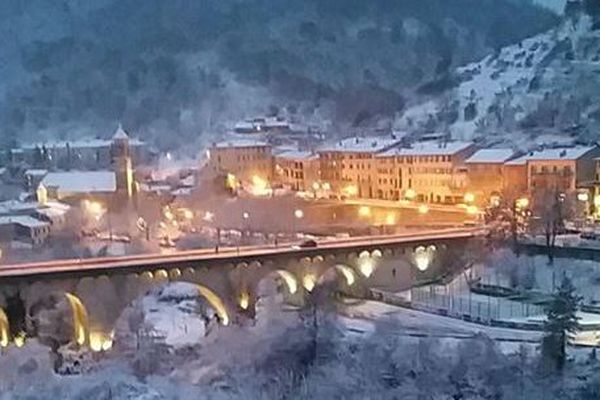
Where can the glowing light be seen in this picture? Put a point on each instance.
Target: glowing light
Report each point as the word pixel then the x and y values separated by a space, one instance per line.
pixel 364 211
pixel 350 190
pixel 161 274
pixel 495 201
pixel 410 194
pixel 245 215
pixel 366 266
pixel 290 280
pixel 208 216
pixel 169 157
pixel 215 303
pixel 80 319
pixel 315 185
pixel 309 282
pixel 168 214
pixel 175 273
pixel 326 186
pixel 4 329
pixel 390 219
pixel 347 273
pixel 597 200
pixel 299 214
pixel 423 257
pixel 244 301
pixel 231 182
pixel 423 209
pixel 522 203
pixel 259 186
pixel 469 198
pixel 20 339
pixel 583 196
pixel 100 341
pixel 472 210
pixel 188 214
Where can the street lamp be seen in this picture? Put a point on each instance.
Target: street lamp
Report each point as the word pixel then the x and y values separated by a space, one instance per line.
pixel 364 211
pixel 423 209
pixel 299 214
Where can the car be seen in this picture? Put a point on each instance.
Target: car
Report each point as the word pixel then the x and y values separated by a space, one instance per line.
pixel 308 244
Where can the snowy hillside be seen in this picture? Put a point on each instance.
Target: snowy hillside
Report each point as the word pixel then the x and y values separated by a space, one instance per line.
pixel 545 88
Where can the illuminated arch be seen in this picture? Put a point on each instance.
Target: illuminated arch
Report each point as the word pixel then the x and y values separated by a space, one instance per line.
pixel 215 301
pixel 318 259
pixel 175 273
pixel 4 329
pixel 161 274
pixel 376 253
pixel 347 273
pixel 364 254
pixel 80 319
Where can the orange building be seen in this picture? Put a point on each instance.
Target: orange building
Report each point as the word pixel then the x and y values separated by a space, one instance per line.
pixel 486 173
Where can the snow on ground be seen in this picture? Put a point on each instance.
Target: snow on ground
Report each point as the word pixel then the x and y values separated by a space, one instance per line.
pixel 414 322
pixel 178 314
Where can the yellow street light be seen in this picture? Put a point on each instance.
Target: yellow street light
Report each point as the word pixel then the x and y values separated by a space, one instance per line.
pixel 364 211
pixel 410 194
pixel 469 198
pixel 245 215
pixel 472 210
pixel 390 219
pixel 298 213
pixel 522 203
pixel 423 209
pixel 351 190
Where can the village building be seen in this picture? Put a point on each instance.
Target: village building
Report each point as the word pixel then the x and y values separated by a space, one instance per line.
pixel 486 177
pixel 297 170
pixel 349 166
pixel 431 171
pixel 242 159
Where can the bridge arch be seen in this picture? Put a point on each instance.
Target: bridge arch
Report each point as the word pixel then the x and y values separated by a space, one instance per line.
pixel 4 329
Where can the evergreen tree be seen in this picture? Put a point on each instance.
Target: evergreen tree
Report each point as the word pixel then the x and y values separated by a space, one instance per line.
pixel 592 7
pixel 561 320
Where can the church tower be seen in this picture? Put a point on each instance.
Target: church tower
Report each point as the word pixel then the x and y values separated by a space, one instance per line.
pixel 121 162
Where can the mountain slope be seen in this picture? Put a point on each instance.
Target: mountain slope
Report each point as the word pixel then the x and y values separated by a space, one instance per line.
pixel 543 89
pixel 74 67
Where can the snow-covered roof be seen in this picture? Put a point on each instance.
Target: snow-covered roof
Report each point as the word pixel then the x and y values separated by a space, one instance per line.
pixel 12 206
pixel 240 143
pixel 81 181
pixel 75 144
pixel 23 220
pixel 374 144
pixel 492 156
pixel 36 172
pixel 554 154
pixel 296 155
pixel 428 149
pixel 120 133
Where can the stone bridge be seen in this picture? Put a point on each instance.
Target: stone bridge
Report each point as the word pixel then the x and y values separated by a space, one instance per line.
pixel 97 291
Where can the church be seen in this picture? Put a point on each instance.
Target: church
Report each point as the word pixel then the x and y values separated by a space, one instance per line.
pixel 114 185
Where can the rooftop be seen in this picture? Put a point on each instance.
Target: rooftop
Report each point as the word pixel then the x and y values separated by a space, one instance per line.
pixel 495 156
pixel 374 144
pixel 74 144
pixel 296 154
pixel 432 148
pixel 240 143
pixel 120 134
pixel 81 181
pixel 23 220
pixel 559 153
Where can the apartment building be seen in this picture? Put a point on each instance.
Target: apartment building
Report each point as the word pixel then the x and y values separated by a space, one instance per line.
pixel 430 171
pixel 349 166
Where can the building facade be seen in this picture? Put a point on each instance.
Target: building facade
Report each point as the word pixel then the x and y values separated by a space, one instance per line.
pixel 244 159
pixel 297 170
pixel 486 174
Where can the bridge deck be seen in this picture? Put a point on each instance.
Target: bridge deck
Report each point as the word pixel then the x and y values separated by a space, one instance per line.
pixel 227 253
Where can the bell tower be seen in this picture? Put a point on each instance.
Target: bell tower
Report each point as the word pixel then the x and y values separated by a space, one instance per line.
pixel 121 162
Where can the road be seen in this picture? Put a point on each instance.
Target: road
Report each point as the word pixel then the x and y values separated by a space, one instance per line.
pixel 158 260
